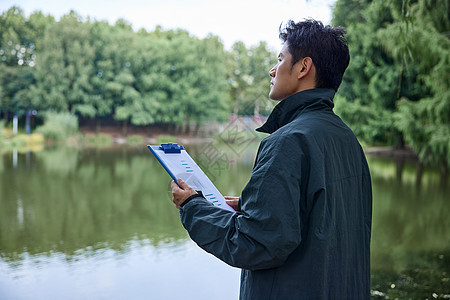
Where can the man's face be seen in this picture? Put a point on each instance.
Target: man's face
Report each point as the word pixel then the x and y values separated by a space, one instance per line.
pixel 284 77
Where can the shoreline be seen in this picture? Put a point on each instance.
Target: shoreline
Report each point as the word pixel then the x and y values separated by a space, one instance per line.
pixel 392 152
pixel 155 137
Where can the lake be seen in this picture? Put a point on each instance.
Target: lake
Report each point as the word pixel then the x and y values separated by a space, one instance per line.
pixel 99 224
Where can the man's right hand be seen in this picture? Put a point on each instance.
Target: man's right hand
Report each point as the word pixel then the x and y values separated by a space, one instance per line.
pixel 232 201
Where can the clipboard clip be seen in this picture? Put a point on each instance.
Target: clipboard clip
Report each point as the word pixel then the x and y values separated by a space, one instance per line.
pixel 171 148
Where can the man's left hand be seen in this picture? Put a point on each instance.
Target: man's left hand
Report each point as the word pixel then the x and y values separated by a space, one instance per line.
pixel 181 194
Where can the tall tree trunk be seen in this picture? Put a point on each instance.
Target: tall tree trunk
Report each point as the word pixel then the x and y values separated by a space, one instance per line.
pixel 197 128
pixel 401 144
pixel 125 128
pixel 187 126
pixel 97 126
pixel 5 116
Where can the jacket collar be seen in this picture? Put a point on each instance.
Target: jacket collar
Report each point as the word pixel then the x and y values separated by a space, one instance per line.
pixel 285 111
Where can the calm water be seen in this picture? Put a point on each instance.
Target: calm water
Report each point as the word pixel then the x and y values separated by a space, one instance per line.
pixel 99 224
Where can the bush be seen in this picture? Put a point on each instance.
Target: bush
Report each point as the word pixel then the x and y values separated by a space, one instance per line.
pixel 35 139
pixel 19 141
pixel 99 140
pixel 162 139
pixel 58 126
pixel 135 140
pixel 2 133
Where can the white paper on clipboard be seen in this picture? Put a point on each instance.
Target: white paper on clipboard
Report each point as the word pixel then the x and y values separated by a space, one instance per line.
pixel 181 165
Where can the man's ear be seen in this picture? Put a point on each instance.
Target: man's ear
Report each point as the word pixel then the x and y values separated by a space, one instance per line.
pixel 305 67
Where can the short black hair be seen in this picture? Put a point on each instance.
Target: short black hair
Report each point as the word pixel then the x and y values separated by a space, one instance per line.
pixel 326 46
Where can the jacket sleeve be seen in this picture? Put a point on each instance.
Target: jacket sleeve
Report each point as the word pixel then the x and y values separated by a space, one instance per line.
pixel 267 228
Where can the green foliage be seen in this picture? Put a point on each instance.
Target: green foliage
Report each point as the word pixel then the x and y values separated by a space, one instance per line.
pixel 135 140
pixel 58 126
pixel 98 71
pixel 113 82
pixel 19 38
pixel 182 80
pixel 98 140
pixel 425 44
pixel 22 142
pixel 422 130
pixel 17 142
pixel 2 131
pixel 166 139
pixel 369 124
pixel 248 78
pixel 63 68
pixel 396 87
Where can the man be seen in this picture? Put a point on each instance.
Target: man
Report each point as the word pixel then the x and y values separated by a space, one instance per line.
pixel 302 225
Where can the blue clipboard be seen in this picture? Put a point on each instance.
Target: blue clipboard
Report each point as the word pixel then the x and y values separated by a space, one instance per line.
pixel 178 164
pixel 167 148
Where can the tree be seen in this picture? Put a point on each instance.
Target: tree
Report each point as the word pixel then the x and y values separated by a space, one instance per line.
pixel 423 29
pixel 96 70
pixel 261 61
pixel 19 38
pixel 396 88
pixel 248 77
pixel 205 83
pixel 182 79
pixel 112 78
pixel 63 68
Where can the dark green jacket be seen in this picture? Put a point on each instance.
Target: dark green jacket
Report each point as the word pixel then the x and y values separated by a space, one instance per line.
pixel 303 228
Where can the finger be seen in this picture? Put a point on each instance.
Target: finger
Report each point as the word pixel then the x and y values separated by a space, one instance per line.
pixel 174 186
pixel 233 203
pixel 183 184
pixel 231 198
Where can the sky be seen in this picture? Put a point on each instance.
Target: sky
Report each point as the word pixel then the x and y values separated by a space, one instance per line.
pixel 250 21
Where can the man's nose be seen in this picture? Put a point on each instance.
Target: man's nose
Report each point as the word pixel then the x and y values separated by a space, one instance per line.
pixel 272 72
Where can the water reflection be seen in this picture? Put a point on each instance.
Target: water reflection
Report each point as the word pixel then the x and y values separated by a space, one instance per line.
pixel 68 200
pixel 75 211
pixel 411 232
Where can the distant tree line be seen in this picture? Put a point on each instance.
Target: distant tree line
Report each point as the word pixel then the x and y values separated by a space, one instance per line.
pixel 100 71
pixel 395 91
